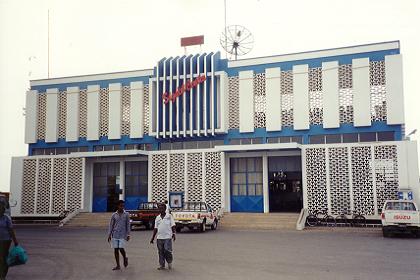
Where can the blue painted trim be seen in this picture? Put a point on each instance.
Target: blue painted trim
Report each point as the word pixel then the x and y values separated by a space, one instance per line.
pixel 314 62
pixel 101 83
pixel 232 134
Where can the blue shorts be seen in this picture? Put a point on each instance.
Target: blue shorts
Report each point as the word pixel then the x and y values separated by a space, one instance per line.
pixel 117 243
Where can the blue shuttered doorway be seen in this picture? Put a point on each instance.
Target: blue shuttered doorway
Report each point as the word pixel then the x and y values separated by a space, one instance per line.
pixel 246 185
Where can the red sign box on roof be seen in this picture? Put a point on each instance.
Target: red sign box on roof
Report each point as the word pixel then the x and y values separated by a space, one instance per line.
pixel 191 41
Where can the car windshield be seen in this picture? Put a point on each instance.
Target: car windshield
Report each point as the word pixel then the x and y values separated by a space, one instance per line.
pixel 195 206
pixel 399 205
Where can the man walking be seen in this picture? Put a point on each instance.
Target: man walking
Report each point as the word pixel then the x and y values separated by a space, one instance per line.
pixel 7 234
pixel 165 231
pixel 119 233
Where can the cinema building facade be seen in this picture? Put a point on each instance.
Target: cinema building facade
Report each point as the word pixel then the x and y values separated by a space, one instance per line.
pixel 319 130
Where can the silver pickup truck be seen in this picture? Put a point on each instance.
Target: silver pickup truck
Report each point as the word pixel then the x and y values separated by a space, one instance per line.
pixel 195 215
pixel 400 216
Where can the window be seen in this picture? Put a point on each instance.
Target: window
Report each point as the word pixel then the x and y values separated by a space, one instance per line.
pixel 217 143
pixel 61 151
pixel 246 141
pixel 203 144
pixel 367 137
pixel 165 146
pixel 257 140
pixel 316 139
pixel 131 147
pixel 297 139
pixel 333 138
pixel 350 138
pixel 272 140
pixel 177 146
pixel 190 145
pixel 284 139
pixel 386 136
pixel 234 142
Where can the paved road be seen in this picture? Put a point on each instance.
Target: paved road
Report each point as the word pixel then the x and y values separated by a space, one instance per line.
pixel 70 253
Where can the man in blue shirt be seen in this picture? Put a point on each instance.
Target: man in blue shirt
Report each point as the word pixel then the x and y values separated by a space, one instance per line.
pixel 7 234
pixel 119 233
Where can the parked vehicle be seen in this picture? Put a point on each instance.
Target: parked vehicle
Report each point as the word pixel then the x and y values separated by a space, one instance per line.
pixel 144 215
pixel 195 215
pixel 400 216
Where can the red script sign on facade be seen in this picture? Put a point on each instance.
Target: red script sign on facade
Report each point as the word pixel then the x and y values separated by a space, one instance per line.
pixel 182 89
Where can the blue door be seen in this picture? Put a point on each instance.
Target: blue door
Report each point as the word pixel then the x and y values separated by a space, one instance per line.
pixel 246 185
pixel 135 184
pixel 105 186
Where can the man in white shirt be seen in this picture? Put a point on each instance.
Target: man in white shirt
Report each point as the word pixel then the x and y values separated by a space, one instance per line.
pixel 165 231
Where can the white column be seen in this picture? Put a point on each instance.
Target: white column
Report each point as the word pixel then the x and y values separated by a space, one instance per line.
pixel 136 109
pixel 185 176
pixel 223 179
pixel 114 111
pixel 273 98
pixel 330 101
pixel 72 121
pixel 304 181
pixel 394 89
pixel 246 101
pixel 224 102
pixel 122 179
pixel 350 179
pixel 266 198
pixel 361 92
pixel 373 168
pixel 149 177
pixel 31 114
pixel 82 194
pixel 51 185
pixel 51 134
pixel 203 182
pixel 328 182
pixel 300 97
pixel 36 185
pixel 93 112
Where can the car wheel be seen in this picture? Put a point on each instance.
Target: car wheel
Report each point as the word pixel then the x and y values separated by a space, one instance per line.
pixel 131 227
pixel 214 225
pixel 385 232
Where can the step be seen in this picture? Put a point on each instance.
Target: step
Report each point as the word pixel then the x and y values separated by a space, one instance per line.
pixel 90 220
pixel 259 221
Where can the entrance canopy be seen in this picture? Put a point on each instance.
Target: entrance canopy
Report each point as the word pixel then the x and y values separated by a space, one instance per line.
pixel 258 147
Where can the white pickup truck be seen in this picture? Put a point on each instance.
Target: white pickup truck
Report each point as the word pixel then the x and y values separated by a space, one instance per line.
pixel 195 215
pixel 400 216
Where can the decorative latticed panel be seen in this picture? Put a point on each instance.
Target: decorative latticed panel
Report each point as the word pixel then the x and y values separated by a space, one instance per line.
pixel 28 186
pixel 159 177
pixel 125 110
pixel 316 179
pixel 194 177
pixel 259 100
pixel 146 112
pixel 377 90
pixel 43 186
pixel 75 184
pixel 233 102
pixel 362 180
pixel 286 98
pixel 315 96
pixel 177 172
pixel 42 115
pixel 83 113
pixel 104 107
pixel 339 180
pixel 62 114
pixel 213 179
pixel 59 185
pixel 386 174
pixel 345 98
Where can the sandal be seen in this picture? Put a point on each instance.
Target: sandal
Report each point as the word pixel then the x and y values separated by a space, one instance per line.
pixel 116 268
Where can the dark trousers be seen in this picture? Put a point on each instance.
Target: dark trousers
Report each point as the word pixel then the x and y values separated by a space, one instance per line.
pixel 4 252
pixel 165 251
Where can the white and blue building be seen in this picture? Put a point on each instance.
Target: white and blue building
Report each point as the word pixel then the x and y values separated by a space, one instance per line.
pixel 319 130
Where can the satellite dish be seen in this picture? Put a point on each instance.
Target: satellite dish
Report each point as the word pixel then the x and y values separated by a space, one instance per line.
pixel 237 40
